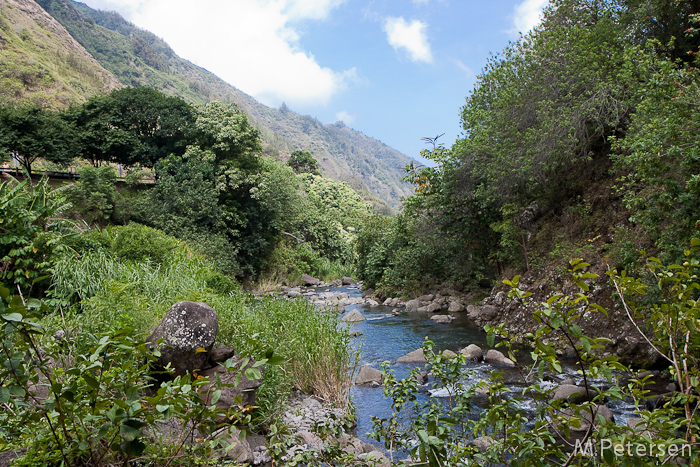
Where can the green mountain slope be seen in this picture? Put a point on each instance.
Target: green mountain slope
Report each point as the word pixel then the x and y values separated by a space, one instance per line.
pixel 41 63
pixel 139 58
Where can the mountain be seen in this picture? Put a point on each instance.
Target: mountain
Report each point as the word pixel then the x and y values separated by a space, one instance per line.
pixel 41 63
pixel 139 58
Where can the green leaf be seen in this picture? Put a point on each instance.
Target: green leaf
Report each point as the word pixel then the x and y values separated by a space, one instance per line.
pixel 15 317
pixel 276 360
pixel 215 397
pixel 91 381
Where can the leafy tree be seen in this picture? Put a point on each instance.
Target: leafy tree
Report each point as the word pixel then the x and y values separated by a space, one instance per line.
pixel 659 160
pixel 29 133
pixel 224 130
pixel 303 162
pixel 132 126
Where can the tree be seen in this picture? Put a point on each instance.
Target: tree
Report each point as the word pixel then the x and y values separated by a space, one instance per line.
pixel 29 133
pixel 224 130
pixel 132 126
pixel 303 162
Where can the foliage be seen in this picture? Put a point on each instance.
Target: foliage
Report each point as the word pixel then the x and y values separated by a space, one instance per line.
pixel 30 132
pixel 132 126
pixel 93 197
pixel 658 159
pixel 316 350
pixel 509 436
pixel 303 162
pixel 97 409
pixel 30 230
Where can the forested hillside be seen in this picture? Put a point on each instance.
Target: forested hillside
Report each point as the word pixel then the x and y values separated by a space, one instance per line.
pixel 139 58
pixel 581 142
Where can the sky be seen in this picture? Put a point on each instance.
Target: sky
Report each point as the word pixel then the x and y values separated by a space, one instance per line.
pixel 396 70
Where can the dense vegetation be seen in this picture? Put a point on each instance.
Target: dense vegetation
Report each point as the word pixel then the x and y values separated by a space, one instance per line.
pixel 579 137
pixel 252 215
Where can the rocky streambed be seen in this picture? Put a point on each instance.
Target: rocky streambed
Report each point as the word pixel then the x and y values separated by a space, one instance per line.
pixel 394 330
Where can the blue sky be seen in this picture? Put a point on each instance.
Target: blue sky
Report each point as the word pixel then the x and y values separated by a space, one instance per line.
pixel 397 70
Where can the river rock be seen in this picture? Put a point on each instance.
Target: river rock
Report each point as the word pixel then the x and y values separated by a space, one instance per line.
pixel 353 317
pixel 367 293
pixel 375 458
pixel 496 358
pixel 473 353
pixel 426 298
pixel 241 453
pixel 188 331
pixel 488 312
pixel 368 375
pixel 309 280
pixel 442 319
pixel 571 393
pixel 347 280
pixel 580 416
pixel 351 445
pixel 229 391
pixel 220 354
pixel 433 307
pixel 311 440
pixel 413 305
pixel 417 356
pixel 482 443
pixel 448 353
pixel 293 293
pixel 372 303
pixel 456 306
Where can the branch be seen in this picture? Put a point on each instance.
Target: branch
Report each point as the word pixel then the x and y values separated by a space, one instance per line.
pixel 634 323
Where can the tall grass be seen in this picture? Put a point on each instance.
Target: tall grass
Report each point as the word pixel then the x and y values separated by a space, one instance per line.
pixel 317 352
pixel 113 293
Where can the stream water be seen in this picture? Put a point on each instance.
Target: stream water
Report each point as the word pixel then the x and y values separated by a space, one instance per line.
pixel 386 337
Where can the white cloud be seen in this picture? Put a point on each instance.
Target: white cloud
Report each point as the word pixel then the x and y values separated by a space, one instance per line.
pixel 345 117
pixel 410 37
pixel 527 15
pixel 310 9
pixel 252 44
pixel 468 73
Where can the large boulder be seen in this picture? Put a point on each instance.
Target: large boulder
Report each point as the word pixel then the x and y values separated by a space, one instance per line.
pixel 417 356
pixel 347 280
pixel 188 332
pixel 353 317
pixel 309 280
pixel 473 353
pixel 368 375
pixel 456 306
pixel 433 307
pixel 496 358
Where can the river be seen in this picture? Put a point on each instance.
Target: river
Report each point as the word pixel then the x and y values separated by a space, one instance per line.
pixel 386 337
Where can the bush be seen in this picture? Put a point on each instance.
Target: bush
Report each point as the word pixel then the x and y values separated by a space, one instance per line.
pixel 139 243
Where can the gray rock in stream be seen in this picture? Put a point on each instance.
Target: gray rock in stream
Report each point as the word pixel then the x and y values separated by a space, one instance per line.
pixel 353 317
